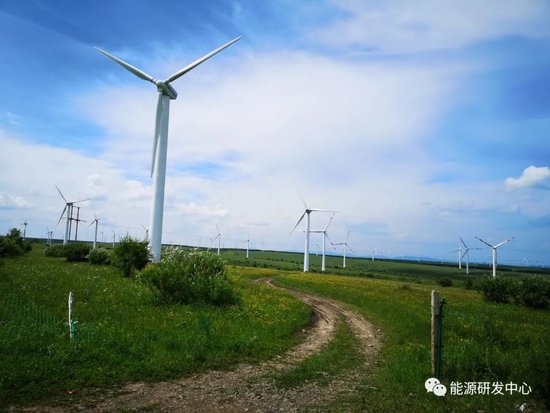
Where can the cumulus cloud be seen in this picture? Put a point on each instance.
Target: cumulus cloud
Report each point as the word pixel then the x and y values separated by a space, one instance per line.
pixel 532 176
pixel 399 26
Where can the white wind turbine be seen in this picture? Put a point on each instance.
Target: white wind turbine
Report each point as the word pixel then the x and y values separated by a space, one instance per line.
pixel 217 237
pixel 346 247
pixel 467 255
pixel 96 222
pixel 494 251
pixel 25 229
pixel 307 214
pixel 69 209
pixel 160 144
pixel 325 236
pixel 247 245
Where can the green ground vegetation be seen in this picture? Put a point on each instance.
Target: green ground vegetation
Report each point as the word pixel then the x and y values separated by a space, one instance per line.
pixel 122 334
pixel 483 342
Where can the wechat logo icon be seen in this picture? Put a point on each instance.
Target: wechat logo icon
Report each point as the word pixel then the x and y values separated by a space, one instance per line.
pixel 433 385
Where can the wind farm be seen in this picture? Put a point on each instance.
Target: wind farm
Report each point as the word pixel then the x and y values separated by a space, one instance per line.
pixel 182 272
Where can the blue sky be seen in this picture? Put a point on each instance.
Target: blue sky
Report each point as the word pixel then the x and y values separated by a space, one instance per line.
pixel 420 122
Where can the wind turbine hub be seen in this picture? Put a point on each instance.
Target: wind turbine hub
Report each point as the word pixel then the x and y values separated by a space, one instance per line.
pixel 166 89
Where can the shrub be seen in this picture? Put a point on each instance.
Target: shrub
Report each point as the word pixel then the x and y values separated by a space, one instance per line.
pixel 469 283
pixel 498 290
pixel 130 255
pixel 77 251
pixel 445 282
pixel 57 250
pixel 534 292
pixel 13 245
pixel 185 277
pixel 99 256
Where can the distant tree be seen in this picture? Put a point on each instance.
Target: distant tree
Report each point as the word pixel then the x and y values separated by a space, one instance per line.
pixel 13 245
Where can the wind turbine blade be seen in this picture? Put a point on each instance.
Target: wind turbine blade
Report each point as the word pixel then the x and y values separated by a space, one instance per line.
pixel 160 108
pixel 298 223
pixel 486 243
pixel 321 210
pixel 82 200
pixel 199 61
pixel 218 229
pixel 139 73
pixel 463 243
pixel 330 220
pixel 347 236
pixel 62 213
pixel 349 248
pixel 59 190
pixel 504 242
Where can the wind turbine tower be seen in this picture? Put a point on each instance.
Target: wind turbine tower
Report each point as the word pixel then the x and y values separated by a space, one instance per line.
pixel 69 210
pixel 467 255
pixel 346 246
pixel 307 214
pixel 96 222
pixel 160 146
pixel 217 237
pixel 494 251
pixel 25 229
pixel 325 236
pixel 247 245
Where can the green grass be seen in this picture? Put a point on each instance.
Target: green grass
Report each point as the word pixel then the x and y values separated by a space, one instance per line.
pixel 482 342
pixel 121 334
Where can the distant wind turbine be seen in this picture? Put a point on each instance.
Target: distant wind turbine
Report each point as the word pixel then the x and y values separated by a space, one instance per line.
pixel 325 236
pixel 25 229
pixel 247 245
pixel 467 255
pixel 307 214
pixel 494 251
pixel 69 210
pixel 217 237
pixel 160 145
pixel 346 247
pixel 96 222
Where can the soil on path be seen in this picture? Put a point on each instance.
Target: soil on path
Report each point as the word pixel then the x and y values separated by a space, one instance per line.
pixel 248 388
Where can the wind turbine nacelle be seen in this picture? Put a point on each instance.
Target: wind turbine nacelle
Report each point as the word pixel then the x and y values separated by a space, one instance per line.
pixel 166 89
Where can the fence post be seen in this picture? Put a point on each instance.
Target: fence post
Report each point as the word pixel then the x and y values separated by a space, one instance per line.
pixel 437 323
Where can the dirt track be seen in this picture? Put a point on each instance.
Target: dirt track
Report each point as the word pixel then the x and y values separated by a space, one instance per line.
pixel 247 388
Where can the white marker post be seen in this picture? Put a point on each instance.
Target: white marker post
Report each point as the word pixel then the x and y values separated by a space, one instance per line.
pixel 71 323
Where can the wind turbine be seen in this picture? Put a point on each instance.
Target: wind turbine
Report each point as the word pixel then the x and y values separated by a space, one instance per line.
pixel 346 246
pixel 146 232
pixel 69 209
pixel 160 144
pixel 325 236
pixel 96 222
pixel 217 237
pixel 494 251
pixel 77 221
pixel 459 250
pixel 467 254
pixel 247 245
pixel 307 214
pixel 25 229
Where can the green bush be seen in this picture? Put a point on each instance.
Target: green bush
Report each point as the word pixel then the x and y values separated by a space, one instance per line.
pixel 130 255
pixel 498 290
pixel 77 251
pixel 469 283
pixel 445 282
pixel 13 245
pixel 57 250
pixel 99 256
pixel 534 292
pixel 185 277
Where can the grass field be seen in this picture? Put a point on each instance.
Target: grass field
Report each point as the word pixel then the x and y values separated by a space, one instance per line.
pixel 123 336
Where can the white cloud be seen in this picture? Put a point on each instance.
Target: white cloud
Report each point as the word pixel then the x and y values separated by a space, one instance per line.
pixel 531 176
pixel 10 201
pixel 402 26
